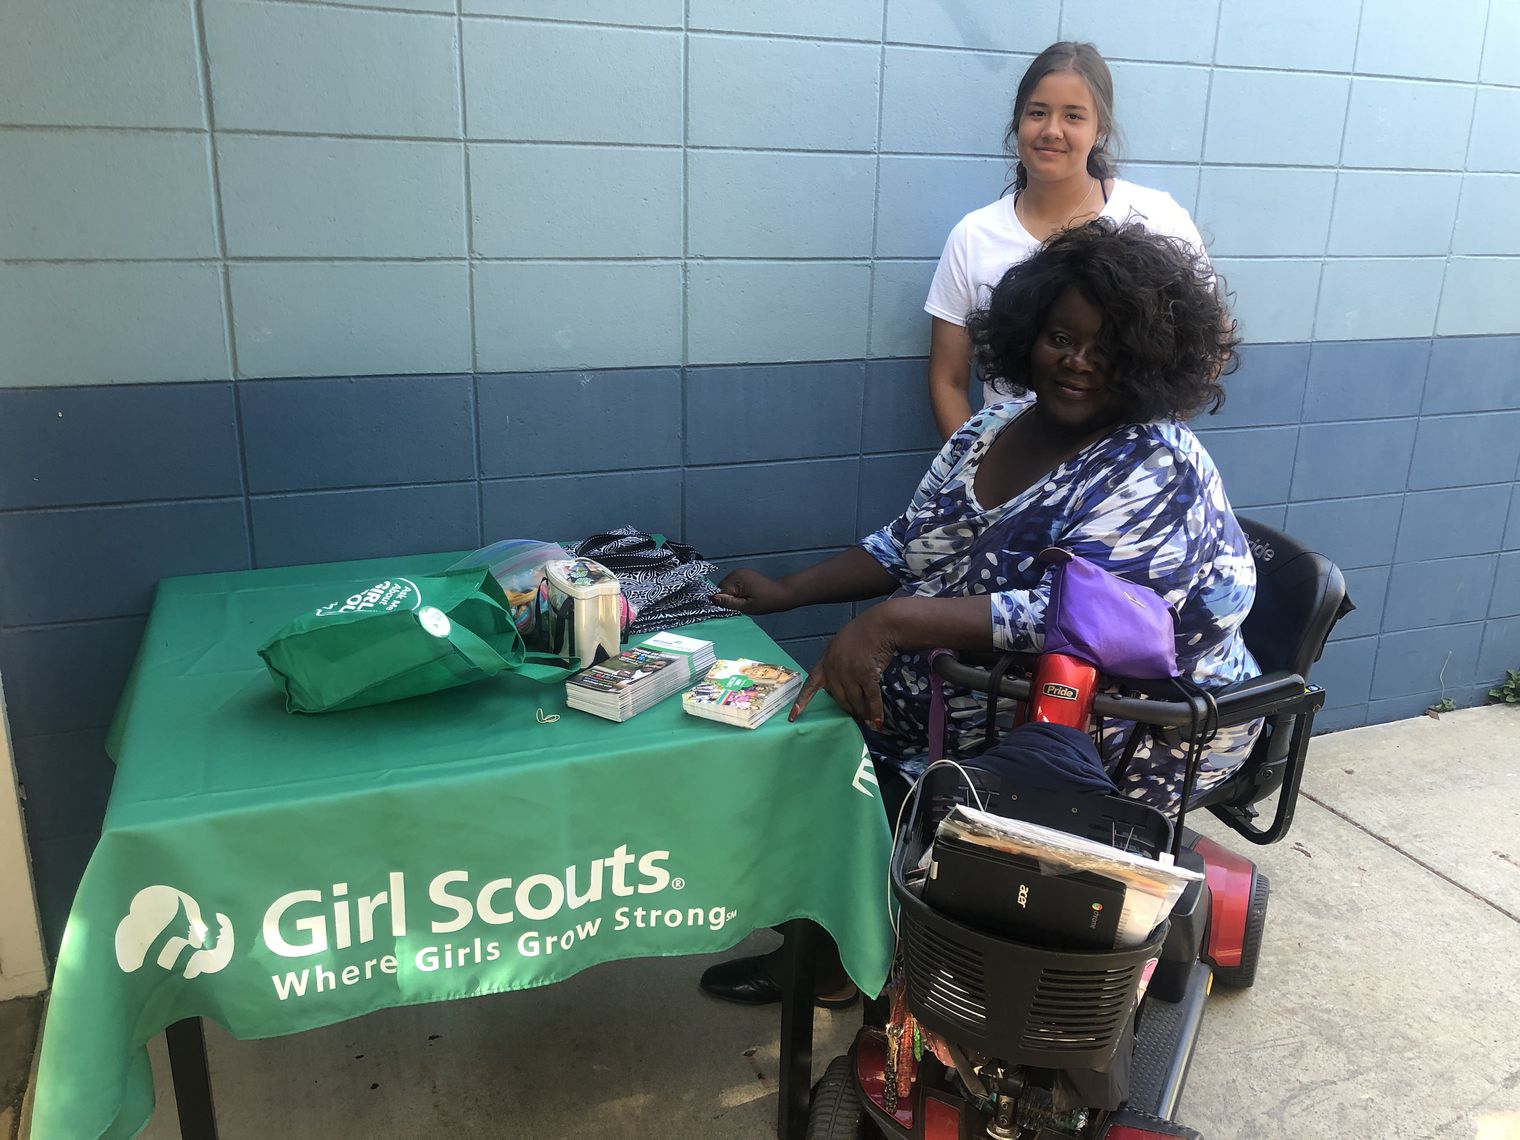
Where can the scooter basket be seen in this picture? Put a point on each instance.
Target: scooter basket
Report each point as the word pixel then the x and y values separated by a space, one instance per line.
pixel 1044 1006
pixel 1023 1004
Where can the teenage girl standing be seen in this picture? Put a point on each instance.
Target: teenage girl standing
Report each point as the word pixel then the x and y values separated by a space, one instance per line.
pixel 1059 137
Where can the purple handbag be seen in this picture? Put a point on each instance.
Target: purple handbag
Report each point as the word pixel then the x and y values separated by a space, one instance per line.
pixel 1122 629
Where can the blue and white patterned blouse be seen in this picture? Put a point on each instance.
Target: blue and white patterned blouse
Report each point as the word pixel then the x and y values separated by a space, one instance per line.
pixel 1145 502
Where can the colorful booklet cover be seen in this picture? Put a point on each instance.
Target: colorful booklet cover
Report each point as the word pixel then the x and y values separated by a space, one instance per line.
pixel 742 692
pixel 640 676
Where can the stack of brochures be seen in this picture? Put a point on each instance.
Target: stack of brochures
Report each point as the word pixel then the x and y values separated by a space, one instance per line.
pixel 644 674
pixel 1069 866
pixel 743 692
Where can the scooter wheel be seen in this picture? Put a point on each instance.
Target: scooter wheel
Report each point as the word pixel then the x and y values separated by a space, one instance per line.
pixel 835 1113
pixel 1243 976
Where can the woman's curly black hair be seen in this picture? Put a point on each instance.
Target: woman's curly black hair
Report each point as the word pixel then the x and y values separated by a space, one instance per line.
pixel 1166 333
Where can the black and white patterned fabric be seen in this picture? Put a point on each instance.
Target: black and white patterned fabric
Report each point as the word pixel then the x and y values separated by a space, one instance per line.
pixel 669 584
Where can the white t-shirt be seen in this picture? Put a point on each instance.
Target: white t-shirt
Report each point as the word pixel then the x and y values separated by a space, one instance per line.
pixel 986 243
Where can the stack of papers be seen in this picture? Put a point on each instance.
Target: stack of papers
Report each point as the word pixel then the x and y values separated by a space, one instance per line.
pixel 1151 887
pixel 642 675
pixel 743 692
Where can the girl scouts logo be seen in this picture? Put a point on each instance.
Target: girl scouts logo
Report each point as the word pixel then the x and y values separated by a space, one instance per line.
pixel 383 597
pixel 154 912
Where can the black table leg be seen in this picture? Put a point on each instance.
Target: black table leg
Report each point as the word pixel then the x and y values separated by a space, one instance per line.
pixel 796 1079
pixel 192 1079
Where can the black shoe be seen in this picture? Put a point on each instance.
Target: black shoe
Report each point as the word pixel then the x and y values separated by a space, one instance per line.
pixel 746 981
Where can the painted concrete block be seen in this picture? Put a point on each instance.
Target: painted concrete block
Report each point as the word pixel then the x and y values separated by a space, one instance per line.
pixel 565 83
pixel 543 423
pixel 1406 124
pixel 1495 141
pixel 1487 223
pixel 1500 652
pixel 714 527
pixel 897 416
pixel 1393 41
pixel 1276 118
pixel 947 102
pixel 1256 463
pixel 1474 374
pixel 1025 27
pixel 1345 672
pixel 105 194
pixel 1367 587
pixel 1273 299
pixel 755 413
pixel 1501 51
pixel 1354 532
pixel 899 325
pixel 351 318
pixel 1512 531
pixel 1380 214
pixel 531 200
pixel 1421 660
pixel 1457 451
pixel 1252 210
pixel 144 65
pixel 1453 522
pixel 650 13
pixel 1479 297
pixel 130 549
pixel 752 204
pixel 538 315
pixel 1365 299
pixel 1180 180
pixel 304 435
pixel 922 198
pixel 575 506
pixel 104 323
pixel 1506 597
pixel 857 21
pixel 1267 388
pixel 1340 719
pixel 62 678
pixel 99 444
pixel 302 197
pixel 1365 379
pixel 299 67
pixel 328 526
pixel 1311 35
pixel 887 483
pixel 1442 592
pixel 1156 30
pixel 761 311
pixel 1336 461
pixel 66 780
pixel 1163 110
pixel 782 94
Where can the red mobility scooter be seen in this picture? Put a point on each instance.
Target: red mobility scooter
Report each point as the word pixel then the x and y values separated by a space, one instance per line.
pixel 1048 1040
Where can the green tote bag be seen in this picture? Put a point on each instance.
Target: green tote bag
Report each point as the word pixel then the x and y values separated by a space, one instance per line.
pixel 401 638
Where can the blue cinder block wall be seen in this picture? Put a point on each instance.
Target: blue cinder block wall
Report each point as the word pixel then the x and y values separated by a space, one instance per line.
pixel 294 281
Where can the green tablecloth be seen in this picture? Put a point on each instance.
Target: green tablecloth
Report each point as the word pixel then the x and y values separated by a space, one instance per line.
pixel 447 846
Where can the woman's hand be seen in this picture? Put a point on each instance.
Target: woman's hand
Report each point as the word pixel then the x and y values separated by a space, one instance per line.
pixel 851 667
pixel 751 592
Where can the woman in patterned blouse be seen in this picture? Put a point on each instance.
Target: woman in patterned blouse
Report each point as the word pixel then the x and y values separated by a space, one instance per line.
pixel 1120 335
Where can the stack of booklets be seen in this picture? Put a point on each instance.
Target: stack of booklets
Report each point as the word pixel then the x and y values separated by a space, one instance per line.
pixel 1069 875
pixel 743 692
pixel 642 675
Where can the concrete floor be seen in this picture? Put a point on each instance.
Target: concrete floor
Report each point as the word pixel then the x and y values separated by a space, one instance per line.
pixel 1386 1006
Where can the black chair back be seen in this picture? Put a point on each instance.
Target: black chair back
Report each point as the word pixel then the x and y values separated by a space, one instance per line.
pixel 1300 595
